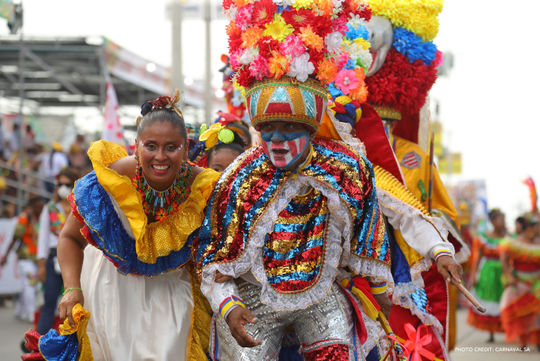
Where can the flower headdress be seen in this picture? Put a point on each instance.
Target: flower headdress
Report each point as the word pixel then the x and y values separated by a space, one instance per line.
pixel 289 43
pixel 400 88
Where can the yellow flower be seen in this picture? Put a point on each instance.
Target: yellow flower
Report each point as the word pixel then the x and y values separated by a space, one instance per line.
pixel 251 36
pixel 278 29
pixel 311 39
pixel 210 137
pixel 278 64
pixel 303 4
pixel 363 43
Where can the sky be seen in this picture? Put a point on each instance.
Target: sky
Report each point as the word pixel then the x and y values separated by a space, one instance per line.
pixel 488 103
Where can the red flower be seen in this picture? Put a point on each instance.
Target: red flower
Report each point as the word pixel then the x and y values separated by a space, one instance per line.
pixel 243 77
pixel 298 18
pixel 161 215
pixel 161 101
pixel 235 37
pixel 263 12
pixel 227 4
pixel 266 45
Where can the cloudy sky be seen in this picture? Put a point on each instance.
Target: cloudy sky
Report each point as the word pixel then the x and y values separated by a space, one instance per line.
pixel 488 103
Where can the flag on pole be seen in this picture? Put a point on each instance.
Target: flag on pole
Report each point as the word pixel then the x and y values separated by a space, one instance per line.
pixel 7 10
pixel 112 129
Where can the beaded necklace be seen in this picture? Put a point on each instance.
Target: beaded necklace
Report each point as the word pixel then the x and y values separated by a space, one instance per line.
pixel 158 205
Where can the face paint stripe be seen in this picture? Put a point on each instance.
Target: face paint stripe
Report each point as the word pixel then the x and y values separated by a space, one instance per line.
pixel 293 147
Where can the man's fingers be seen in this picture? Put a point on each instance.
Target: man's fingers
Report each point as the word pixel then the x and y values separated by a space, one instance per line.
pixel 244 339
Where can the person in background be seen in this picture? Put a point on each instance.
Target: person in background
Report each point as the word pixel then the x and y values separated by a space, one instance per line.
pixel 77 155
pixel 520 302
pixel 519 226
pixel 25 241
pixel 486 275
pixel 52 219
pixel 222 155
pixel 52 164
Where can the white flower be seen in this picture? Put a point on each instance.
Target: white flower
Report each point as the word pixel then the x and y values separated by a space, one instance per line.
pixel 248 56
pixel 366 59
pixel 301 67
pixel 337 3
pixel 231 12
pixel 284 2
pixel 356 20
pixel 333 41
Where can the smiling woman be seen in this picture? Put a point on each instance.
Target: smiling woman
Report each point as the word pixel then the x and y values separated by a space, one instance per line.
pixel 137 213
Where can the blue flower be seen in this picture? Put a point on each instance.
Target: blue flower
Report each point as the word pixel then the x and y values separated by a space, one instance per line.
pixel 412 46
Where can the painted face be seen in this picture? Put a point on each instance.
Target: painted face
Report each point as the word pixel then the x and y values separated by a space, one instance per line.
pixel 284 143
pixel 161 150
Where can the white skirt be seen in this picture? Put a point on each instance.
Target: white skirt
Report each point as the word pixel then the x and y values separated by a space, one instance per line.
pixel 135 317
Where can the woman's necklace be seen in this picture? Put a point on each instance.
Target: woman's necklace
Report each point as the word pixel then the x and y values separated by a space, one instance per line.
pixel 158 205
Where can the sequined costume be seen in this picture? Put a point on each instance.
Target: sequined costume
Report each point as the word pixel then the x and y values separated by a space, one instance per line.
pixel 135 276
pixel 289 233
pixel 489 286
pixel 520 303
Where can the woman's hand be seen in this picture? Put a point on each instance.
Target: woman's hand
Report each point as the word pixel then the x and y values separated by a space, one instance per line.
pixel 68 301
pixel 237 319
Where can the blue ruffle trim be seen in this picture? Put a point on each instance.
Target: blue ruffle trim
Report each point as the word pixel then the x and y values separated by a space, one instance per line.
pixel 412 46
pixel 56 347
pixel 108 233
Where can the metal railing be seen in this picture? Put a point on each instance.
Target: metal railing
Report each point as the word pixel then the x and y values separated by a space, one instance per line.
pixel 25 185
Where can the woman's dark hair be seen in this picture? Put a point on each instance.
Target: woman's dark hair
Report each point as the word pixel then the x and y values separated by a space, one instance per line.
pixel 150 115
pixel 69 172
pixel 232 146
pixel 494 213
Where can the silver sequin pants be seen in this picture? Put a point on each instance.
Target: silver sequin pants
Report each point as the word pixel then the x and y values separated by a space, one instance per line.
pixel 328 322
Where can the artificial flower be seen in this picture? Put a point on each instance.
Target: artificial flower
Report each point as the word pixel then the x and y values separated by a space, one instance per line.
pixel 284 2
pixel 248 56
pixel 235 36
pixel 311 39
pixel 301 67
pixel 258 68
pixel 234 59
pixel 325 6
pixel 278 65
pixel 327 71
pixel 333 41
pixel 347 80
pixel 243 17
pixel 298 18
pixel 292 46
pixel 278 29
pixel 230 12
pixel 303 4
pixel 263 12
pixel 251 36
pixel 243 77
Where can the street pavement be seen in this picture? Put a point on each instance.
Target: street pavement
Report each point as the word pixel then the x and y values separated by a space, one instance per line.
pixel 471 343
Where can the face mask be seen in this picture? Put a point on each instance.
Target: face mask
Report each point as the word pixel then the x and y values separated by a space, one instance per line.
pixel 64 191
pixel 289 147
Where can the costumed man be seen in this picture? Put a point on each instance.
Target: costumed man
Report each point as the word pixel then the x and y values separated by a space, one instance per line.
pixel 290 218
pixel 404 69
pixel 419 238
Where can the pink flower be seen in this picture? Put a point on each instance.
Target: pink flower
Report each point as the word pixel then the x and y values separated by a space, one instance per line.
pixel 292 46
pixel 347 80
pixel 258 68
pixel 234 59
pixel 243 17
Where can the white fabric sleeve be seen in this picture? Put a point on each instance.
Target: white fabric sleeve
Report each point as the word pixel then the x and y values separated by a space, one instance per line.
pixel 43 236
pixel 220 293
pixel 425 234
